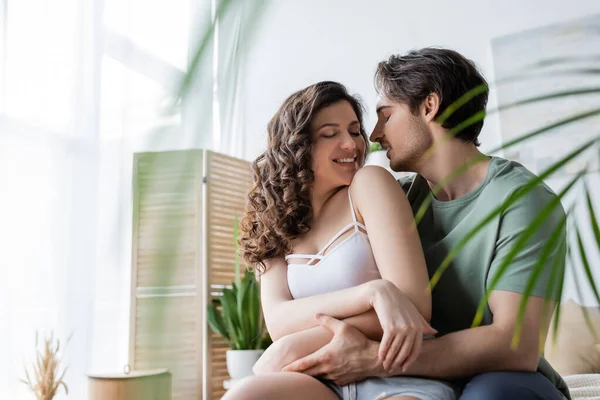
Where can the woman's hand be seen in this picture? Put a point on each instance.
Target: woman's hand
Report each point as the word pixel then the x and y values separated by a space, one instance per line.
pixel 402 324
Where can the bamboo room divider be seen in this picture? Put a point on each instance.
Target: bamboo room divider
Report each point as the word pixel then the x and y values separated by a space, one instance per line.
pixel 184 207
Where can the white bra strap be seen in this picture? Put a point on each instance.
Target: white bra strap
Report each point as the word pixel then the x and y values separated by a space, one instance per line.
pixel 337 236
pixel 312 256
pixel 352 210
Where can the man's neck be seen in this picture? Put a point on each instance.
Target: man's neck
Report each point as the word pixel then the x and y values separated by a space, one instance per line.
pixel 446 159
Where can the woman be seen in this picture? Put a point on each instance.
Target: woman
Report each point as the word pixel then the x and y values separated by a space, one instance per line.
pixel 306 230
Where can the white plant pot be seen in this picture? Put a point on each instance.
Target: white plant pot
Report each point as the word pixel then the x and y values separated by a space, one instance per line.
pixel 240 362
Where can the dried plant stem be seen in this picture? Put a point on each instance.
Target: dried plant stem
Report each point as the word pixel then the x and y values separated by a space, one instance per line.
pixel 47 379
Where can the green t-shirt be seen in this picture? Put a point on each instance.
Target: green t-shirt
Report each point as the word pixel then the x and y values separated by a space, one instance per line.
pixel 461 287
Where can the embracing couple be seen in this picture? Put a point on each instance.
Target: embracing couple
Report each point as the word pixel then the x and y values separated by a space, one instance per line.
pixel 345 274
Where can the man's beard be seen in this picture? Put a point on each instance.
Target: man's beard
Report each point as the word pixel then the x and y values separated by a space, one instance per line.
pixel 412 157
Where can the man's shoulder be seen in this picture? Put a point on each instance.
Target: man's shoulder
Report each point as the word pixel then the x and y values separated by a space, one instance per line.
pixel 508 177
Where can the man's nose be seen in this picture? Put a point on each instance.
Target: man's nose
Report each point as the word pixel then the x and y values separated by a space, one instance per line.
pixel 376 134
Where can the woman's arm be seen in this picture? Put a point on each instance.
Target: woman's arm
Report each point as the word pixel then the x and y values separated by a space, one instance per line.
pixel 284 315
pixel 300 344
pixel 389 220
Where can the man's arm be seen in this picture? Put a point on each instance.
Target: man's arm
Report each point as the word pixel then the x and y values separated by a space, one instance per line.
pixel 350 356
pixel 487 348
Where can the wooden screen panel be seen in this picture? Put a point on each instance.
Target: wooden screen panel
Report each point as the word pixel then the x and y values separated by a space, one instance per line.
pixel 167 286
pixel 228 181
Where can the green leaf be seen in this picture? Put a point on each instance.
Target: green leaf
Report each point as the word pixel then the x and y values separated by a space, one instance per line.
pixel 479 116
pixel 498 210
pixel 234 289
pixel 375 146
pixel 586 315
pixel 553 290
pixel 458 171
pixel 461 101
pixel 190 77
pixel 535 225
pixel 548 62
pixel 549 96
pixel 242 308
pixel 232 321
pixel 528 75
pixel 254 314
pixel 548 248
pixel 593 219
pixel 436 189
pixel 216 323
pixel 476 91
pixel 561 283
pixel 563 122
pixel 586 264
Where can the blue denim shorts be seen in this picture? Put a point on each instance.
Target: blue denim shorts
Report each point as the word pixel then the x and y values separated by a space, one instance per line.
pixel 382 388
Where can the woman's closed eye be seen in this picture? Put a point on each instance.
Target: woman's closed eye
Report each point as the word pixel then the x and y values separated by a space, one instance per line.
pixel 333 134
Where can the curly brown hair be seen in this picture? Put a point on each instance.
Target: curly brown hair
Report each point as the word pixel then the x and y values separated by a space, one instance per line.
pixel 278 207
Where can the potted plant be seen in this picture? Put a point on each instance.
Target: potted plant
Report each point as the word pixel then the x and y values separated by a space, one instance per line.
pixel 237 316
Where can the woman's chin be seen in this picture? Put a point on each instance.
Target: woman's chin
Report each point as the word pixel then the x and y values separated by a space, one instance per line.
pixel 347 180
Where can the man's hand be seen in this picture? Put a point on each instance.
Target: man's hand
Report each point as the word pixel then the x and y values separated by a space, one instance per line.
pixel 349 357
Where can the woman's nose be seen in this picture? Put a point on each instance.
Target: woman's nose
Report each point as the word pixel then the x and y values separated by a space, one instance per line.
pixel 348 142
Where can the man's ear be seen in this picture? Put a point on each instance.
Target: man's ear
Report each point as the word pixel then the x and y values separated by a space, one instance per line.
pixel 430 107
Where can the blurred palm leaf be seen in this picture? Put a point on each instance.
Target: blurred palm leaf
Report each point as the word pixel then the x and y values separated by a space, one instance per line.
pixel 557 276
pixel 533 227
pixel 586 315
pixel 550 245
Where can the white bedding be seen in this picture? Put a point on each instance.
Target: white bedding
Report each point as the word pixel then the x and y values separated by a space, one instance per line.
pixel 585 386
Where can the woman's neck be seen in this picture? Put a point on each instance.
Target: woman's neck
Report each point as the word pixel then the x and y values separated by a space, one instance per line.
pixel 319 196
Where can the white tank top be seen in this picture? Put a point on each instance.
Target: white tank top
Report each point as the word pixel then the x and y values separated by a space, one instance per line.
pixel 349 264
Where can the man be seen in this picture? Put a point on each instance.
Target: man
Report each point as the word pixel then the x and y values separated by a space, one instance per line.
pixel 414 91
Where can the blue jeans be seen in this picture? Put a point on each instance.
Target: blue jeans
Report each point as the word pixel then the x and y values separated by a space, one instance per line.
pixel 510 385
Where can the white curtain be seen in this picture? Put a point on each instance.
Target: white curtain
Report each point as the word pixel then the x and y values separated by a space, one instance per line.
pixel 235 37
pixel 82 84
pixel 48 174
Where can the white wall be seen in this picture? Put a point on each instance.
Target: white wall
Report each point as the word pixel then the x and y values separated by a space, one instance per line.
pixel 302 42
